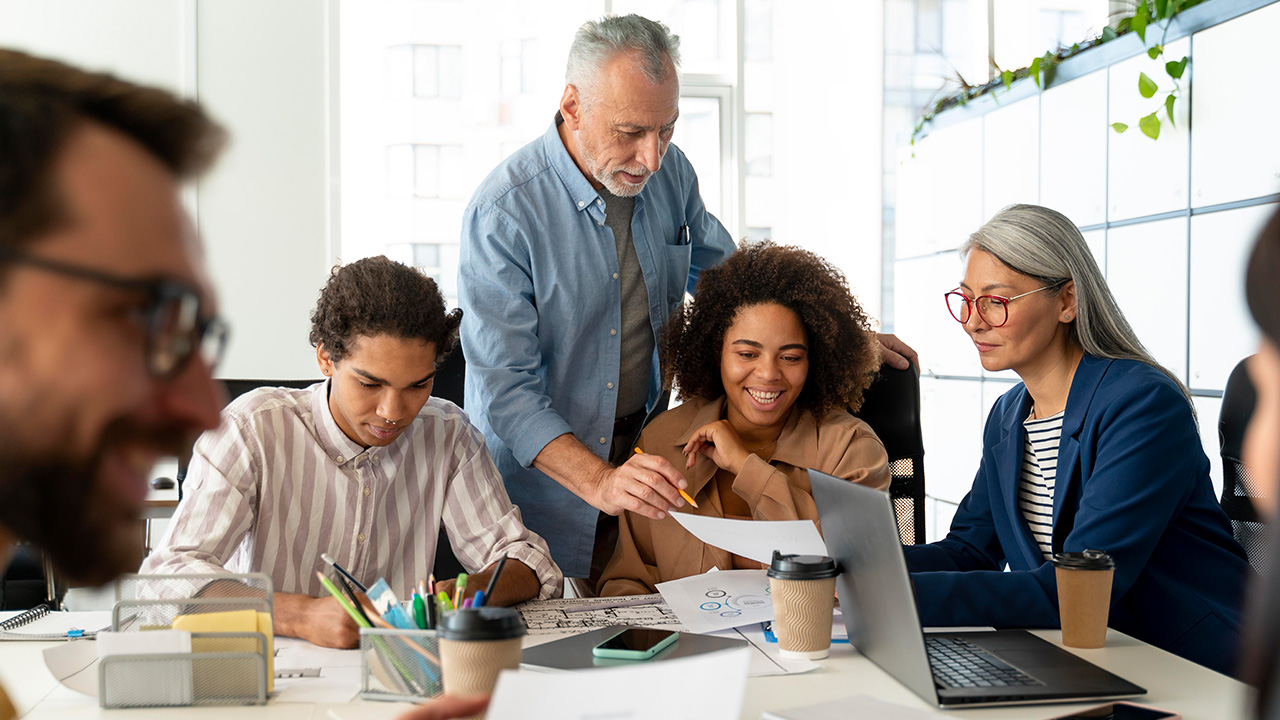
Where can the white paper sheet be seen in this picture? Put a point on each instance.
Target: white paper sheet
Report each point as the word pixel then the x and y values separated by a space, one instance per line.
pixel 860 706
pixel 576 615
pixel 672 690
pixel 719 600
pixel 75 664
pixel 339 673
pixel 766 658
pixel 755 539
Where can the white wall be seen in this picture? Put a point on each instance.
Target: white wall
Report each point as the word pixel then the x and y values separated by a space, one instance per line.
pixel 260 68
pixel 264 210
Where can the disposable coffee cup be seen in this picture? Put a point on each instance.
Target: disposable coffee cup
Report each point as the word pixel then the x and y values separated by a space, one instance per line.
pixel 804 592
pixel 1084 596
pixel 475 645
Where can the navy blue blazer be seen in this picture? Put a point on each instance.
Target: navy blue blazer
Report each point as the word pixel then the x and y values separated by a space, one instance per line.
pixel 1132 480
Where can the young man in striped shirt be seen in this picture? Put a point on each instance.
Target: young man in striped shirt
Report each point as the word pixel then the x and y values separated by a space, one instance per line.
pixel 365 466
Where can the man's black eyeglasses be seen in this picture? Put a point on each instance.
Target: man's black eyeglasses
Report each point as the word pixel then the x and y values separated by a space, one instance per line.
pixel 176 327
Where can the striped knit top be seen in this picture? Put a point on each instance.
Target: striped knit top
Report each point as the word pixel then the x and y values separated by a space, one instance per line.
pixel 1039 470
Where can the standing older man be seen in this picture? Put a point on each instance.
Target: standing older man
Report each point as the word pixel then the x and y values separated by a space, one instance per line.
pixel 574 252
pixel 108 333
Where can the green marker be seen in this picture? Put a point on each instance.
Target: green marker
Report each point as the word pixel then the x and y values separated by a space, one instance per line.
pixel 419 611
pixel 460 590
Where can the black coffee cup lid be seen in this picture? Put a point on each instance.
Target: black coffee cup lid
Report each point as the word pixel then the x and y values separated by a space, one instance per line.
pixel 483 623
pixel 802 567
pixel 1087 560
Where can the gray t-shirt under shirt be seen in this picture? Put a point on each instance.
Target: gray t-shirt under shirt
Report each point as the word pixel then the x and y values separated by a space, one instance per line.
pixel 637 334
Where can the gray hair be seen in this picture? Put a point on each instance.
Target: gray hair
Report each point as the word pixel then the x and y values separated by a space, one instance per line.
pixel 1045 244
pixel 598 41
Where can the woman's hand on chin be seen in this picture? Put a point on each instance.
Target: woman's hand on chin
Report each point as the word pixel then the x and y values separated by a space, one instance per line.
pixel 720 442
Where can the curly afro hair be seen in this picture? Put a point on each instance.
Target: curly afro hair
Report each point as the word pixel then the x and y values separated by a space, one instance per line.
pixel 843 352
pixel 377 296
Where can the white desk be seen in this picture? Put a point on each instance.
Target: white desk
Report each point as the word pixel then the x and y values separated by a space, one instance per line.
pixel 1171 682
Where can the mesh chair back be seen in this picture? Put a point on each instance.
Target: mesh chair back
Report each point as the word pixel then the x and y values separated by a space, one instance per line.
pixel 891 406
pixel 1237 485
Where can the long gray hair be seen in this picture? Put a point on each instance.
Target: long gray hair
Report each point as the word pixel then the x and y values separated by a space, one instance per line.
pixel 597 41
pixel 1045 244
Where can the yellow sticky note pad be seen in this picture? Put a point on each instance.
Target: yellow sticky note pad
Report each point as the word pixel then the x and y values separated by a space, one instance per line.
pixel 231 621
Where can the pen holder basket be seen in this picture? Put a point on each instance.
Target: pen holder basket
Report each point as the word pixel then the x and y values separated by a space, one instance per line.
pixel 399 664
pixel 223 668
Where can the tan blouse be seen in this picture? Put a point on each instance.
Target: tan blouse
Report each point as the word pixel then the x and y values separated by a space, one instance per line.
pixel 654 551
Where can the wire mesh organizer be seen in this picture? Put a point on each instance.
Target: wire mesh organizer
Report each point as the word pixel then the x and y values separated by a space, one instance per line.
pixel 399 664
pixel 222 668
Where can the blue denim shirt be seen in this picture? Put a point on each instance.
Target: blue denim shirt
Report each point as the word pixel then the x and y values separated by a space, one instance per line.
pixel 542 304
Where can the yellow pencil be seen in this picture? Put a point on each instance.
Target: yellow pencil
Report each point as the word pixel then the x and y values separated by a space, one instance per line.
pixel 683 494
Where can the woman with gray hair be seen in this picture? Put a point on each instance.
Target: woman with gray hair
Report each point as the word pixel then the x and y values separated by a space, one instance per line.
pixel 1097 448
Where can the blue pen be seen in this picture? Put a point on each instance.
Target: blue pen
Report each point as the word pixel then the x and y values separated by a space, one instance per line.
pixel 478 599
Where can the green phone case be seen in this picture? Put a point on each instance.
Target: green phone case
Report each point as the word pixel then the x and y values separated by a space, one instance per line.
pixel 603 652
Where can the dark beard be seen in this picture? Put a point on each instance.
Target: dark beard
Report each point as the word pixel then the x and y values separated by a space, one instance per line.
pixel 55 502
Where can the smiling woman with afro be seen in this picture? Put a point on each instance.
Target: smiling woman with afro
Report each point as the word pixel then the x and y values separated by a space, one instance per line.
pixel 768 358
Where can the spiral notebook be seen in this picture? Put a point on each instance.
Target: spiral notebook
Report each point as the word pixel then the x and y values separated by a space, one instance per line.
pixel 41 624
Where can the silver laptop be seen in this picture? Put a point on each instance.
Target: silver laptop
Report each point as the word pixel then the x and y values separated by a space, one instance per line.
pixel 959 669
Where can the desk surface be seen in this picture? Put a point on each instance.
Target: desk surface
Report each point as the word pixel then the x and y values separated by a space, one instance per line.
pixel 1172 683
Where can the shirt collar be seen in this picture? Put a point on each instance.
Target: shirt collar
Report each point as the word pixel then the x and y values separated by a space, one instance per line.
pixel 796 443
pixel 580 190
pixel 340 448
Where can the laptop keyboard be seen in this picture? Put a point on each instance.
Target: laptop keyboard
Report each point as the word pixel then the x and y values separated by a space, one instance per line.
pixel 958 663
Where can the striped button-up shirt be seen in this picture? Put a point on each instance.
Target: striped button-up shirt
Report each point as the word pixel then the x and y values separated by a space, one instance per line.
pixel 279 483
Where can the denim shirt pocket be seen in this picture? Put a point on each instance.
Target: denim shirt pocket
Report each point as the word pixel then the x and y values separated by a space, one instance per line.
pixel 678 258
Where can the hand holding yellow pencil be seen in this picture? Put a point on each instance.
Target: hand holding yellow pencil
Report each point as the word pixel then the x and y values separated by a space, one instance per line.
pixel 683 494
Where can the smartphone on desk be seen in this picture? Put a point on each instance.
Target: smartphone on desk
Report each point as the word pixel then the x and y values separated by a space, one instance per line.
pixel 1120 711
pixel 635 644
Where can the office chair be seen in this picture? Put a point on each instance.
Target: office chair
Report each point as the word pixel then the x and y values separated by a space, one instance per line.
pixel 1237 484
pixel 450 383
pixel 891 406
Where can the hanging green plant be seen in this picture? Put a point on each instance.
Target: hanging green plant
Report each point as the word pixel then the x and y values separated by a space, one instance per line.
pixel 1137 20
pixel 1144 13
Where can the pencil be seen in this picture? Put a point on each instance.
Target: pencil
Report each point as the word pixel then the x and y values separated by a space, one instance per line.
pixel 329 559
pixel 346 604
pixel 683 494
pixel 355 602
pixel 493 579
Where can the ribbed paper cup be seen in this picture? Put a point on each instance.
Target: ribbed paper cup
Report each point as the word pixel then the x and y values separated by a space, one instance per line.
pixel 476 645
pixel 804 592
pixel 802 611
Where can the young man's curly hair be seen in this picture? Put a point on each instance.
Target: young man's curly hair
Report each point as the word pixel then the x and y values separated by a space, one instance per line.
pixel 843 352
pixel 377 296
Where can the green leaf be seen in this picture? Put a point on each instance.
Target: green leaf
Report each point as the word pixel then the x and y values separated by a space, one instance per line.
pixel 1108 34
pixel 1150 126
pixel 1176 68
pixel 1139 21
pixel 1034 70
pixel 1006 77
pixel 1146 86
pixel 1048 63
pixel 1118 127
pixel 1162 8
pixel 1168 108
pixel 1154 51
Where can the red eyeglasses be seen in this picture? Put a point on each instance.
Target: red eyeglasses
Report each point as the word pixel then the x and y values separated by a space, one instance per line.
pixel 993 309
